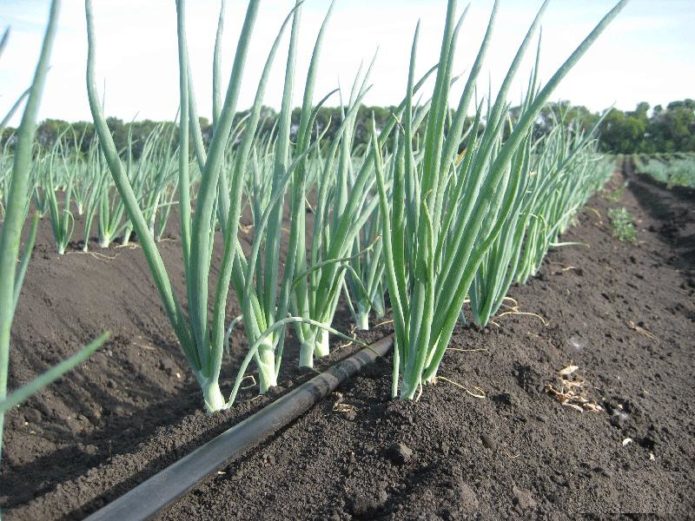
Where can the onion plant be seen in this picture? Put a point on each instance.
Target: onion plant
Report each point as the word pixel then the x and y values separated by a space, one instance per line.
pixel 39 192
pixel 151 176
pixel 341 210
pixel 446 214
pixel 111 217
pixel 496 271
pixel 364 280
pixel 257 278
pixel 59 180
pixel 62 220
pixel 345 202
pixel 266 294
pixel 81 187
pixel 157 175
pixel 95 178
pixel 161 214
pixel 202 340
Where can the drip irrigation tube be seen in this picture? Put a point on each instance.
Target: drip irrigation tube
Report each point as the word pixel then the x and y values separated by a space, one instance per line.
pixel 161 490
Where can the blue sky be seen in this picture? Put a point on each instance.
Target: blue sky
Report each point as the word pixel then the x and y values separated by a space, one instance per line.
pixel 646 55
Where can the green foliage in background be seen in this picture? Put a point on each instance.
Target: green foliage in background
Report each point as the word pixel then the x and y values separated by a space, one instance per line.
pixel 643 130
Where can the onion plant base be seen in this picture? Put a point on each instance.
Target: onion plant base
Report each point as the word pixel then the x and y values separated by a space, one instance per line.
pixel 409 390
pixel 362 320
pixel 316 347
pixel 265 361
pixel 214 399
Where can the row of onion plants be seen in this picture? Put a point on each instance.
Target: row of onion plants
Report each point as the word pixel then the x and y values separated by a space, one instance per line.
pixel 670 169
pixel 16 207
pixel 437 209
pixel 264 293
pixel 69 184
pixel 443 212
pixel 564 170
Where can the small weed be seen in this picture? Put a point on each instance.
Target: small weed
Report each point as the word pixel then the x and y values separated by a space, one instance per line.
pixel 623 224
pixel 613 196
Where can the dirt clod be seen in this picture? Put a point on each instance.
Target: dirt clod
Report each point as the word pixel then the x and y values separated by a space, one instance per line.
pixel 488 442
pixel 523 498
pixel 399 453
pixel 467 497
pixel 364 504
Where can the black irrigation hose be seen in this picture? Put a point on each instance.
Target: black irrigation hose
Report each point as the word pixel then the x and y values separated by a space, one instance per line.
pixel 161 490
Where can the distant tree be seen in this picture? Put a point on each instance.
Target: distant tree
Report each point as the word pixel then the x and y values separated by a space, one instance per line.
pixel 673 129
pixel 48 131
pixel 669 129
pixel 624 132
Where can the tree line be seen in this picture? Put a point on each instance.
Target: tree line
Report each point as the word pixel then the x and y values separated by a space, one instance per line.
pixel 643 130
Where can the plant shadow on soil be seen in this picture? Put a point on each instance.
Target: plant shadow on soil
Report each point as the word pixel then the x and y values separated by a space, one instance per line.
pixel 623 313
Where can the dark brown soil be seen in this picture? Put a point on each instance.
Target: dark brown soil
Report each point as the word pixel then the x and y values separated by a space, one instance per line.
pixel 131 409
pixel 623 313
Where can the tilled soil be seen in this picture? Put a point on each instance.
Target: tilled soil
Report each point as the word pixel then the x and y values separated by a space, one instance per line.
pixel 491 439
